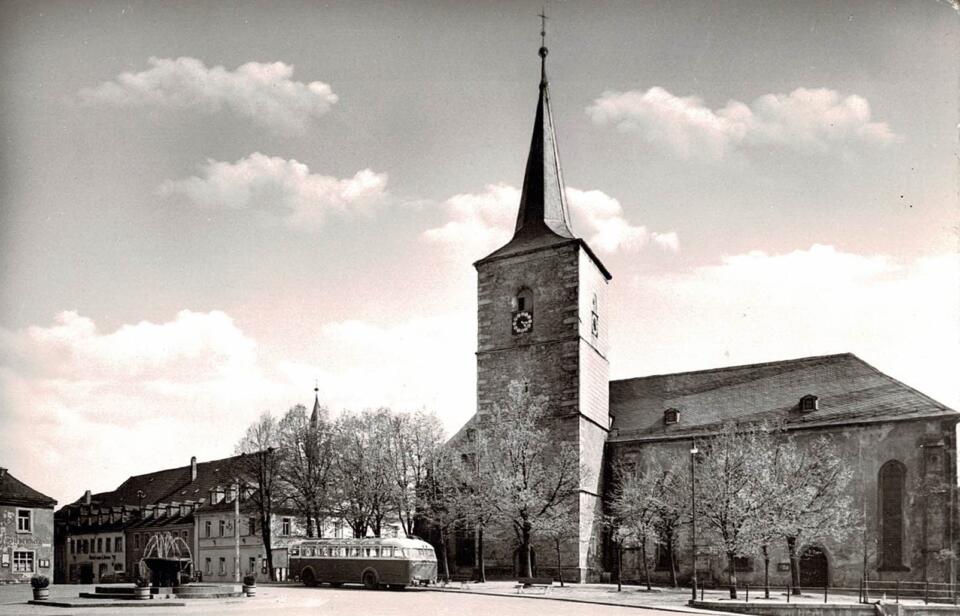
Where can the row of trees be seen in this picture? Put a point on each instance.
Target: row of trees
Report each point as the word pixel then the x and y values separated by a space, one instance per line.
pixel 508 476
pixel 361 469
pixel 755 486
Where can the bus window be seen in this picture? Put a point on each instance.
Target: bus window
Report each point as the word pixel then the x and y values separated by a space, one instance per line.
pixel 354 551
pixel 323 551
pixel 294 551
pixel 387 552
pixel 308 551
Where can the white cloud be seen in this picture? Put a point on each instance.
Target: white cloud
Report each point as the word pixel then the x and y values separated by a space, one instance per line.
pixel 275 184
pixel 480 222
pixel 806 120
pixel 263 93
pixel 900 315
pixel 84 408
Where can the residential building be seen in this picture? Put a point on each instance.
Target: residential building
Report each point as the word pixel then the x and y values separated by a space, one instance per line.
pixel 26 531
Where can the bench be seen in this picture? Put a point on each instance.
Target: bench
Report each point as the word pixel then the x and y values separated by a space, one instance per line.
pixel 463 580
pixel 533 582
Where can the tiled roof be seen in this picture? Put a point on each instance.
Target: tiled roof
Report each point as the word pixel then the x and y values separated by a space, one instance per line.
pixel 15 492
pixel 168 485
pixel 848 390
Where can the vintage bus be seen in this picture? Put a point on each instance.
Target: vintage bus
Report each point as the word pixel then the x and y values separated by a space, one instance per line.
pixel 394 563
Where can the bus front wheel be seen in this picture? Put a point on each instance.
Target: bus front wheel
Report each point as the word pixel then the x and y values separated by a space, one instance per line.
pixel 370 580
pixel 308 578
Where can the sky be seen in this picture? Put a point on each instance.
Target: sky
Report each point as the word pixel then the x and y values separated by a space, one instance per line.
pixel 208 208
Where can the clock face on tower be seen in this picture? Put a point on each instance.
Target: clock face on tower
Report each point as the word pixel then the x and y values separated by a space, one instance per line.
pixel 522 322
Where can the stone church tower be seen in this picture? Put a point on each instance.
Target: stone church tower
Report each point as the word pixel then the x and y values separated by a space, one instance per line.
pixel 541 319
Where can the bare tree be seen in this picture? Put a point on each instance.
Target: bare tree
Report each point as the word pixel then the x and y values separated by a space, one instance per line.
pixel 413 442
pixel 556 527
pixel 637 502
pixel 307 457
pixel 531 475
pixel 259 464
pixel 731 500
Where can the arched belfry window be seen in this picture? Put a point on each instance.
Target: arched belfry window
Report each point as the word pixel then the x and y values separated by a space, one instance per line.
pixel 524 301
pixel 891 484
pixel 595 316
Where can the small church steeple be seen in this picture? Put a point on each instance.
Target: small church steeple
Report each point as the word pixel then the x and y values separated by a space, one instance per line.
pixel 315 416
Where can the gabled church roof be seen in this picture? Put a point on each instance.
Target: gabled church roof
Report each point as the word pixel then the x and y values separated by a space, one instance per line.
pixel 543 218
pixel 848 390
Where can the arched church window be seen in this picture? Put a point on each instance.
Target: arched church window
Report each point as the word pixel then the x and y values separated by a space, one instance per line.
pixel 892 480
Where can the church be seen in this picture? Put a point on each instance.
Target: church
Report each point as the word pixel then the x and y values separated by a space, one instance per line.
pixel 543 317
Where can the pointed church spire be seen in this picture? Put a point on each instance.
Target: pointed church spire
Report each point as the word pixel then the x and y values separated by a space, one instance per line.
pixel 543 204
pixel 315 416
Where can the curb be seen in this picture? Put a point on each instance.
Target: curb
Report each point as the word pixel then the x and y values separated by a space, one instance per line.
pixel 586 601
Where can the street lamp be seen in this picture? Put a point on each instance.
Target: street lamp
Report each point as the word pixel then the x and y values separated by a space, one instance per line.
pixel 693 516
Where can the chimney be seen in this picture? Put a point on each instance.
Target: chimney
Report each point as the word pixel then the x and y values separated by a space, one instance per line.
pixel 193 468
pixel 3 472
pixel 86 497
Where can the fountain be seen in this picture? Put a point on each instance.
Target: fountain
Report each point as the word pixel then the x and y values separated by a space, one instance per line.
pixel 168 559
pixel 167 564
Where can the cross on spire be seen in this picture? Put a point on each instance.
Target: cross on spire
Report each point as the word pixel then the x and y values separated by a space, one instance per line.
pixel 543 47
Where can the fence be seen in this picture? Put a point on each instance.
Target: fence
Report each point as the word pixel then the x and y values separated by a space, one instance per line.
pixel 868 591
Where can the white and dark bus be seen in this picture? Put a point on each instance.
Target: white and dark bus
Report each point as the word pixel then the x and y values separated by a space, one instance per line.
pixel 394 563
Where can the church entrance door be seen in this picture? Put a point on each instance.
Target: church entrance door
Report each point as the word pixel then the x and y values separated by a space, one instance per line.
pixel 813 568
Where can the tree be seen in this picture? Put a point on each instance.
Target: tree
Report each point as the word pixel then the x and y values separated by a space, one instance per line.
pixel 731 497
pixel 634 509
pixel 259 463
pixel 671 509
pixel 307 460
pixel 530 474
pixel 816 503
pixel 413 442
pixel 360 484
pixel 474 489
pixel 440 502
pixel 556 527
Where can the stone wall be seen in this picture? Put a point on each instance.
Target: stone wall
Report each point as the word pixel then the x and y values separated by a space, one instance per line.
pixel 927 448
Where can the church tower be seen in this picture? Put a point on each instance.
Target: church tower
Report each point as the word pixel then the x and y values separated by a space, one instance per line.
pixel 541 319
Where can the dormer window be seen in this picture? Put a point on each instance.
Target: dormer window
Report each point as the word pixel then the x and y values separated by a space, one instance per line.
pixel 671 416
pixel 809 403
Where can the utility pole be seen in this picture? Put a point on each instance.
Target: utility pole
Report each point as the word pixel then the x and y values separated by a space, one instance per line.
pixel 693 517
pixel 236 533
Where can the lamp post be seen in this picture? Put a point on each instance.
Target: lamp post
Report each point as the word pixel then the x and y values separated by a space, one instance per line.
pixel 693 516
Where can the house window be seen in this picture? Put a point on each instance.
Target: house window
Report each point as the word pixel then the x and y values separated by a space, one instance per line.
pixel 23 562
pixel 252 564
pixel 24 520
pixel 223 527
pixel 136 540
pixel 207 529
pixel 208 567
pixel 285 527
pixel 742 563
pixel 251 526
pixel 109 541
pixel 671 416
pixel 99 545
pixel 118 544
pixel 223 565
pixel 72 544
pixel 893 476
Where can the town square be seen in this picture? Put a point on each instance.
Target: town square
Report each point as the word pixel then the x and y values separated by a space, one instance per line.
pixel 446 307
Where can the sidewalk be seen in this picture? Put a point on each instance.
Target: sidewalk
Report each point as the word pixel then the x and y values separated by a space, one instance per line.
pixel 665 599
